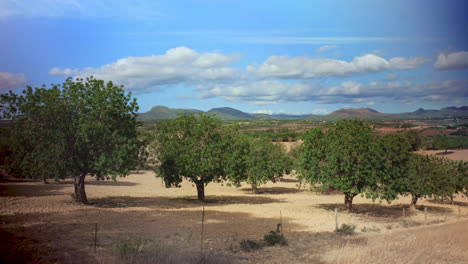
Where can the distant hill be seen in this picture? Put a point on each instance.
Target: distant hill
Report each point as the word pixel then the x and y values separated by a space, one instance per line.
pixel 360 113
pixel 162 112
pixel 228 113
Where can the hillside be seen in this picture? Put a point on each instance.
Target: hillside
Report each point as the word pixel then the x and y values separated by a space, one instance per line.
pixel 228 113
pixel 162 112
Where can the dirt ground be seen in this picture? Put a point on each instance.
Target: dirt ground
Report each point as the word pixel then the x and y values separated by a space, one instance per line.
pixel 454 154
pixel 39 223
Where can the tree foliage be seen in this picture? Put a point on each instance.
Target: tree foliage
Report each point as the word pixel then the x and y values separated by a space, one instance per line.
pixel 78 128
pixel 344 158
pixel 192 147
pixel 256 161
pixel 441 141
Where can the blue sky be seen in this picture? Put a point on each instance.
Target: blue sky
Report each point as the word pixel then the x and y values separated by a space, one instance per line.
pixel 257 56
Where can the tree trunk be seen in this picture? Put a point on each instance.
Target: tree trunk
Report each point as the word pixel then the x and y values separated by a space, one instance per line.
pixel 348 201
pixel 200 190
pixel 80 194
pixel 254 188
pixel 414 200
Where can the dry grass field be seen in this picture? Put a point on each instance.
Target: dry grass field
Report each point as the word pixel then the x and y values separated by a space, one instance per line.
pixel 39 223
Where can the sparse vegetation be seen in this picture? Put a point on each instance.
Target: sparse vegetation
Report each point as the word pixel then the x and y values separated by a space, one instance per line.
pixel 346 229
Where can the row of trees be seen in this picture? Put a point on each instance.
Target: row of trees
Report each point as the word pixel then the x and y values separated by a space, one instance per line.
pixel 89 127
pixel 350 158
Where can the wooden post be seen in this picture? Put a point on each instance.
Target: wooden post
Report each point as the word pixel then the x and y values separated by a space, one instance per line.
pixel 95 237
pixel 425 215
pixel 404 214
pixel 202 223
pixel 459 212
pixel 281 222
pixel 336 219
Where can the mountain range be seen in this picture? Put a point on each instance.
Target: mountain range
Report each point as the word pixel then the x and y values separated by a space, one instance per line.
pixel 227 113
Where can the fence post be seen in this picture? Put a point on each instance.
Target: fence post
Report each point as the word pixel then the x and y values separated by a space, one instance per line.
pixel 425 215
pixel 404 214
pixel 336 219
pixel 95 237
pixel 202 223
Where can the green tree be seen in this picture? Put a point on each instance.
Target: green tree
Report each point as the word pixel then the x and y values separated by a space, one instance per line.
pixel 430 176
pixel 192 147
pixel 414 138
pixel 344 158
pixel 395 161
pixel 78 128
pixel 256 161
pixel 441 141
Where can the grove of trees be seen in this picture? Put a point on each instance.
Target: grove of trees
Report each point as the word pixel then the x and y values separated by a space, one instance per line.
pixel 351 159
pixel 88 127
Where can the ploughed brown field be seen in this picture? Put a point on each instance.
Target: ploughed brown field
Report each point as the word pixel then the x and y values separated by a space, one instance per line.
pixel 39 223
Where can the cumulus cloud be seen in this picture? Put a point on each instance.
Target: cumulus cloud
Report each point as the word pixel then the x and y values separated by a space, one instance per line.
pixel 392 76
pixel 268 112
pixel 304 67
pixel 326 47
pixel 10 81
pixel 177 65
pixel 454 60
pixel 274 91
pixel 371 103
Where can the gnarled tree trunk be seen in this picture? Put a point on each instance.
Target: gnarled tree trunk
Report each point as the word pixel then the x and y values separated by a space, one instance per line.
pixel 414 200
pixel 80 194
pixel 348 201
pixel 254 188
pixel 200 190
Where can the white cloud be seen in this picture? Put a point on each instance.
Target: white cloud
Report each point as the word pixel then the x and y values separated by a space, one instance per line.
pixel 400 63
pixel 392 76
pixel 274 91
pixel 10 81
pixel 268 112
pixel 371 103
pixel 320 111
pixel 178 65
pixel 326 47
pixel 454 60
pixel 305 67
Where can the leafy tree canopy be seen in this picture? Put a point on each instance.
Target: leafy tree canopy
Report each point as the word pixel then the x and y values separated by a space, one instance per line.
pixel 81 127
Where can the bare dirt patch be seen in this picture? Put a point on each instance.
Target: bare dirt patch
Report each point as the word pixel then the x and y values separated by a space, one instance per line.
pixel 453 154
pixel 42 224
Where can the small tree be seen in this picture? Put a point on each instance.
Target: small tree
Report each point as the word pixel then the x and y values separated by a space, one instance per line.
pixel 345 158
pixel 79 128
pixel 441 141
pixel 192 147
pixel 257 161
pixel 430 176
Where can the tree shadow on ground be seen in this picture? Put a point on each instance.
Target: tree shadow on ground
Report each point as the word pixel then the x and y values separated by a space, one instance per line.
pixel 383 211
pixel 100 182
pixel 287 180
pixel 273 190
pixel 177 202
pixel 448 202
pixel 69 236
pixel 30 190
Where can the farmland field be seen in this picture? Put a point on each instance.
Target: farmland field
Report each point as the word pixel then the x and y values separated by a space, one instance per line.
pixel 40 223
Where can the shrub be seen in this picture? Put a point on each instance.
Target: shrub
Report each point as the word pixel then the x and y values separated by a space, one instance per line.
pixel 346 229
pixel 274 238
pixel 250 245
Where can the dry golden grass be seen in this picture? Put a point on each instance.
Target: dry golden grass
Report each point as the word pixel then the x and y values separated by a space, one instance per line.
pixel 446 243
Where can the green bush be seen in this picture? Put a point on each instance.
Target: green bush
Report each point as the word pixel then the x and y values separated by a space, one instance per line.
pixel 274 238
pixel 346 229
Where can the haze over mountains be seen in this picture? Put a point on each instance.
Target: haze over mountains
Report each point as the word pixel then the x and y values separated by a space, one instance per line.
pixel 227 113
